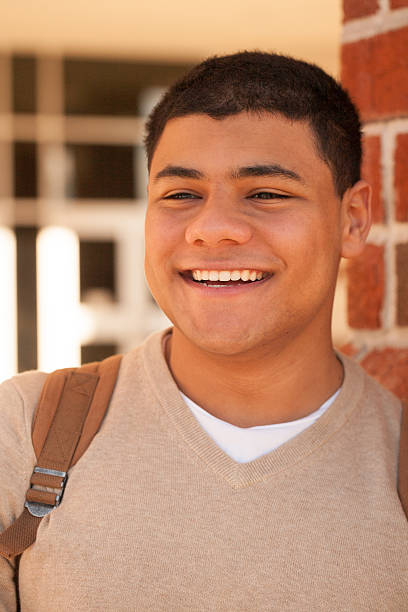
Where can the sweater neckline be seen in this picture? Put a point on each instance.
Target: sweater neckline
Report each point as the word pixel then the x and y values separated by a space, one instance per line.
pixel 240 475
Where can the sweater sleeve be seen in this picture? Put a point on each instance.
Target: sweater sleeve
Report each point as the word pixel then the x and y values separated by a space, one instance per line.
pixel 16 463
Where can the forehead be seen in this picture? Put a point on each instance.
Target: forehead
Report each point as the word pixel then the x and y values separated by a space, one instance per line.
pixel 219 145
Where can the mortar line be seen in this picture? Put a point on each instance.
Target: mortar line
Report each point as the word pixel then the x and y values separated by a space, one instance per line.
pixel 373 25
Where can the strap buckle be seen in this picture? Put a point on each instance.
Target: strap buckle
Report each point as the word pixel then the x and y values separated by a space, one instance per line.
pixel 40 509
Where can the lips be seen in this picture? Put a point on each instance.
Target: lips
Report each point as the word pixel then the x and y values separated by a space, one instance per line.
pixel 225 278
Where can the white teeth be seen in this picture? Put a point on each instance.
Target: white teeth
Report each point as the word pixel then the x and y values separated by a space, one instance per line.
pixel 227 275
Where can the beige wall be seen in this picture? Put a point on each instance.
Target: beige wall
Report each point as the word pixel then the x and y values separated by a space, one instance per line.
pixel 180 29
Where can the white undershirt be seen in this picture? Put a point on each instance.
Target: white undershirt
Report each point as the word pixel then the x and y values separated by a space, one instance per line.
pixel 245 444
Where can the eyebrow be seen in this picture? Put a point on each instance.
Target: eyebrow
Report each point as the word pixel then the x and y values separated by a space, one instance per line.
pixel 266 170
pixel 180 171
pixel 238 173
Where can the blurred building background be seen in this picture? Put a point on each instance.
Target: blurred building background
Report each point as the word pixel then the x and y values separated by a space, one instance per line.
pixel 77 80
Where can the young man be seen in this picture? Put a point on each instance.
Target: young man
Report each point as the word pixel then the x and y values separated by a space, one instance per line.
pixel 243 465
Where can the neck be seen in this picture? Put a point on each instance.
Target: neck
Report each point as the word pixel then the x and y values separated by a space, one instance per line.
pixel 247 390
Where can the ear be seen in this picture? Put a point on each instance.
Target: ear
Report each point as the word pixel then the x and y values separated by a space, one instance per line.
pixel 356 218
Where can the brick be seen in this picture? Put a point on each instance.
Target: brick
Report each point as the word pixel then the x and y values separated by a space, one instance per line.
pixel 355 74
pixel 375 72
pixel 401 178
pixel 395 4
pixel 371 172
pixel 390 367
pixel 353 9
pixel 365 288
pixel 402 284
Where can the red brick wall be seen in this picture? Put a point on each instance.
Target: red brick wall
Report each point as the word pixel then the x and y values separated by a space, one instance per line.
pixel 374 61
pixel 353 9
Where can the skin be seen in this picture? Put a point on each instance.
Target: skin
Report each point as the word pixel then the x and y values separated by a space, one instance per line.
pixel 260 353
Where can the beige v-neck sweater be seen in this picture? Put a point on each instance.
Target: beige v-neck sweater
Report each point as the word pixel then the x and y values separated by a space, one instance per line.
pixel 156 517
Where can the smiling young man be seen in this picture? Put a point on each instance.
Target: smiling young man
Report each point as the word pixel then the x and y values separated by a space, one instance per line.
pixel 244 232
pixel 243 465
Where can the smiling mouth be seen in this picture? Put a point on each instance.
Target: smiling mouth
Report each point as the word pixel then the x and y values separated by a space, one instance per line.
pixel 225 278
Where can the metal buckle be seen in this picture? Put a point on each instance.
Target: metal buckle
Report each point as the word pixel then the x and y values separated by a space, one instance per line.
pixel 39 509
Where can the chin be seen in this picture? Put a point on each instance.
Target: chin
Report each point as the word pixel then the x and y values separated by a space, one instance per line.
pixel 221 347
pixel 224 341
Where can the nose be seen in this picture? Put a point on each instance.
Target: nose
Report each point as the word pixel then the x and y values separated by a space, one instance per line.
pixel 218 221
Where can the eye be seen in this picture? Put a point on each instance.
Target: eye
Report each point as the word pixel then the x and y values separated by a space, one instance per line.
pixel 269 195
pixel 181 195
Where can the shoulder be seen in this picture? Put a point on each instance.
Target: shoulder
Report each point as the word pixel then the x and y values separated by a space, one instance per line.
pixel 18 398
pixel 373 390
pixel 19 395
pixel 378 410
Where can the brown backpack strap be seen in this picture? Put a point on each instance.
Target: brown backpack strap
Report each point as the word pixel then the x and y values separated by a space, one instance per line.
pixel 403 460
pixel 72 405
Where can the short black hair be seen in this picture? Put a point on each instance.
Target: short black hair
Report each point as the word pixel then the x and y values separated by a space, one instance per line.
pixel 253 81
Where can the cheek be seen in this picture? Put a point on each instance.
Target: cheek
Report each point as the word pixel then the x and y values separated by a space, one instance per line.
pixel 161 240
pixel 291 237
pixel 162 233
pixel 153 245
pixel 155 240
pixel 307 243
